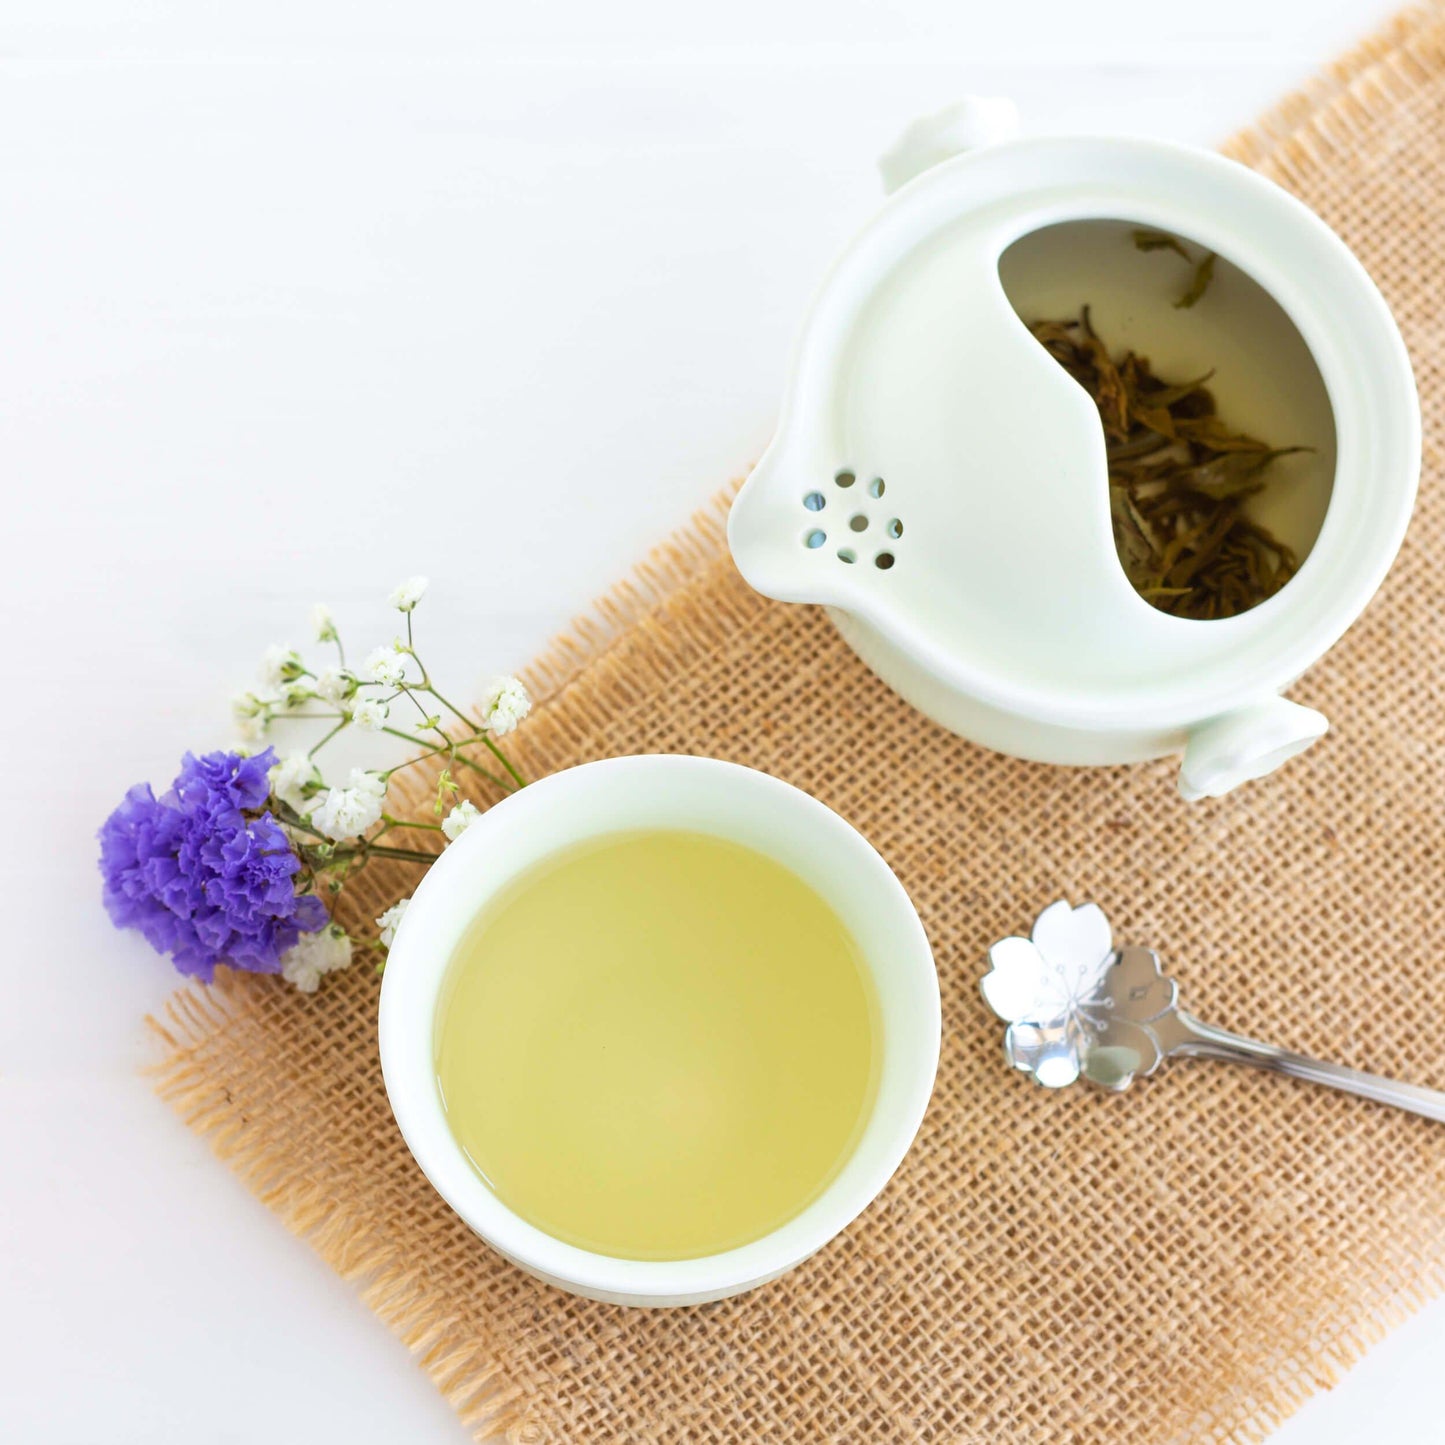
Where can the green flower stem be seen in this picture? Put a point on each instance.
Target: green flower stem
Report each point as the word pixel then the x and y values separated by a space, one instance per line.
pixel 344 720
pixel 408 855
pixel 487 773
pixel 450 750
pixel 502 758
pixel 373 850
pixel 429 752
pixel 307 828
pixel 451 707
pixel 426 717
pixel 479 732
pixel 293 819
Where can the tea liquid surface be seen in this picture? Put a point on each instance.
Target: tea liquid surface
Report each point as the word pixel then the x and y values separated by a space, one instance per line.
pixel 657 1045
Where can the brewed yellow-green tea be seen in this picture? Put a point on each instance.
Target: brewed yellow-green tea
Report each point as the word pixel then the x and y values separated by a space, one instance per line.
pixel 657 1045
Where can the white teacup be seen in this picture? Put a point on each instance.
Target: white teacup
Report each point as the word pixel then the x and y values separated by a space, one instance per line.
pixel 699 795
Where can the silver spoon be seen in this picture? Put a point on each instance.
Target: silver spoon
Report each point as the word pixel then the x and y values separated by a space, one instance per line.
pixel 1077 1007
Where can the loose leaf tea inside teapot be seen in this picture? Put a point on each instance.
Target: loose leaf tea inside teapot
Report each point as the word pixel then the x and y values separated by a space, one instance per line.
pixel 1178 479
pixel 1203 270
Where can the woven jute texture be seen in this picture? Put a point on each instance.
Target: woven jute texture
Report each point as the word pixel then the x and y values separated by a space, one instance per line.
pixel 1186 1262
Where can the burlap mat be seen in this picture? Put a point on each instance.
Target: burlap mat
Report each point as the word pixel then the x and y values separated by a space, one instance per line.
pixel 1184 1263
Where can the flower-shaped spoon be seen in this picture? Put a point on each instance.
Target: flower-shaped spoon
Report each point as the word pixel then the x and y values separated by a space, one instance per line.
pixel 1076 1006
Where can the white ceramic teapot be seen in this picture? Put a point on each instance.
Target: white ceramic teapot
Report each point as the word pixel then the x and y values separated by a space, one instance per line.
pixel 939 482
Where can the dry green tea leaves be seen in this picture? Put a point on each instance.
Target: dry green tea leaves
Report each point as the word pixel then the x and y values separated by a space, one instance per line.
pixel 1203 275
pixel 1178 477
pixel 1160 241
pixel 1203 270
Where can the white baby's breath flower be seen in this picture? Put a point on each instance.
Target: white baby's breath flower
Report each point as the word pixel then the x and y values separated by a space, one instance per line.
pixel 385 665
pixel 390 921
pixel 314 955
pixel 280 664
pixel 370 714
pixel 291 777
pixel 504 704
pixel 323 626
pixel 294 694
pixel 459 820
pixel 251 713
pixel 334 685
pixel 347 812
pixel 371 785
pixel 407 594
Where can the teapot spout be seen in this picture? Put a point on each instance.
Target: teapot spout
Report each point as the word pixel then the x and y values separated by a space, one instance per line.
pixel 772 539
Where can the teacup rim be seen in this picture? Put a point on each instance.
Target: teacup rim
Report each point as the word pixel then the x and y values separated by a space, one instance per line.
pixel 417 967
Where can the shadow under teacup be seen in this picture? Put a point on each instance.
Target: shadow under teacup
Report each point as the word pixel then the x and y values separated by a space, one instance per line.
pixel 557 814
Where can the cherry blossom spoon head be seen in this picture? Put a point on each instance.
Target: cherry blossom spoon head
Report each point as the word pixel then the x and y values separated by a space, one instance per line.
pixel 1077 1007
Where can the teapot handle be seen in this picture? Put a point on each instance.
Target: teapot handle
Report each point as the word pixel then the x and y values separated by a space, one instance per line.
pixel 1230 750
pixel 975 121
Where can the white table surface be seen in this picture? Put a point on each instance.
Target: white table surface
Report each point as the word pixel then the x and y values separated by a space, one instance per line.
pixel 298 299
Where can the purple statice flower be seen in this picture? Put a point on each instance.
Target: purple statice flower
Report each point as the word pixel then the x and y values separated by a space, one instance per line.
pixel 204 872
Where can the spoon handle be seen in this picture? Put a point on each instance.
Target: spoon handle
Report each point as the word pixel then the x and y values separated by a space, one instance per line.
pixel 1205 1041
